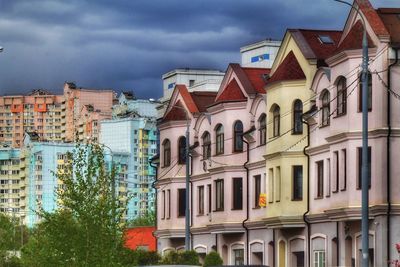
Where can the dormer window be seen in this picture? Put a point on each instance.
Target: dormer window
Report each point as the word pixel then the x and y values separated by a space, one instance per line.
pixel 325 39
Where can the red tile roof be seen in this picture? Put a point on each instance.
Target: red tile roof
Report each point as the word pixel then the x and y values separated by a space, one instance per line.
pixel 289 69
pixel 140 237
pixel 321 50
pixel 203 99
pixel 231 92
pixel 353 39
pixel 391 19
pixel 187 98
pixel 176 113
pixel 372 16
pixel 257 78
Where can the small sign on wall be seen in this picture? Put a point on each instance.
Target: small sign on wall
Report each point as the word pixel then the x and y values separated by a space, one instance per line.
pixel 262 201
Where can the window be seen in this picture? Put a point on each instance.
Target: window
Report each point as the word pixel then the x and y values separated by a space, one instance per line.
pixel 209 198
pixel 219 195
pixel 319 258
pixel 163 205
pixel 169 204
pixel 200 192
pixel 237 136
pixel 328 178
pixel 167 152
pixel 206 145
pixel 325 100
pixel 359 152
pixel 344 164
pixel 257 190
pixel 270 185
pixel 238 256
pixel 369 93
pixel 181 202
pixel 276 121
pixel 325 39
pixel 182 150
pixel 320 179
pixel 219 142
pixel 341 96
pixel 337 171
pixel 237 194
pixel 191 83
pixel 278 184
pixel 263 129
pixel 298 182
pixel 297 114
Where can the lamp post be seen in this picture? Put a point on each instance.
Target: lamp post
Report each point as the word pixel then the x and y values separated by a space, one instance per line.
pixel 365 164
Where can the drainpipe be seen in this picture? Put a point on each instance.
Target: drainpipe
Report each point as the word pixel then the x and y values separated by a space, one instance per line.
pixel 308 191
pixel 247 193
pixel 337 243
pixel 273 247
pixel 388 173
pixel 156 202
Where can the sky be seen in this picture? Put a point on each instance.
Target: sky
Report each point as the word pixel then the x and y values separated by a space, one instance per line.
pixel 126 45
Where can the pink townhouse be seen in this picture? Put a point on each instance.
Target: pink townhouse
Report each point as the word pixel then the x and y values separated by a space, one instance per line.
pixel 227 138
pixel 334 149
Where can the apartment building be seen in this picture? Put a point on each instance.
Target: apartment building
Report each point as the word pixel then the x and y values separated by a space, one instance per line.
pixel 38 111
pixel 10 181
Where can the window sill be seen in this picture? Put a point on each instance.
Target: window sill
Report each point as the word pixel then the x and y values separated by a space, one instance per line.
pixel 344 189
pixel 324 125
pixel 297 200
pixel 297 133
pixel 257 208
pixel 340 115
pixel 316 198
pixel 335 191
pixel 237 209
pixel 218 210
pixel 200 215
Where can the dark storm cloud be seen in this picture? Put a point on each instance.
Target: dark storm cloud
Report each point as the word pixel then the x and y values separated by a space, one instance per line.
pixel 129 44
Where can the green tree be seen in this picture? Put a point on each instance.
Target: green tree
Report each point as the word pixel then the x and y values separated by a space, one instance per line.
pixel 212 259
pixel 86 229
pixel 12 238
pixel 149 219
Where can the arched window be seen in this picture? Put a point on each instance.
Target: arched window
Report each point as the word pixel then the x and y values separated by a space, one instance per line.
pixel 297 115
pixel 206 145
pixel 237 136
pixel 369 93
pixel 219 142
pixel 341 96
pixel 166 153
pixel 325 101
pixel 276 121
pixel 182 150
pixel 263 129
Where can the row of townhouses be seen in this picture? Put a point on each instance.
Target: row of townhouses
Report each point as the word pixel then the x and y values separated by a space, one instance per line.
pixel 275 152
pixel 37 130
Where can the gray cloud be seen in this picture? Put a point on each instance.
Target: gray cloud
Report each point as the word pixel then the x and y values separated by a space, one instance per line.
pixel 129 44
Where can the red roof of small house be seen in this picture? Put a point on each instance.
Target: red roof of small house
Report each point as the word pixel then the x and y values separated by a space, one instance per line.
pixel 391 19
pixel 141 237
pixel 187 98
pixel 231 92
pixel 203 99
pixel 289 69
pixel 176 113
pixel 353 39
pixel 257 77
pixel 320 49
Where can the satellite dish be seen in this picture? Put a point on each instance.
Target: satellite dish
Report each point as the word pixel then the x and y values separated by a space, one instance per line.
pixel 1 49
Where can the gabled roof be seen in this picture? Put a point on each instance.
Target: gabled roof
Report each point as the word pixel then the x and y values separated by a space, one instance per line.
pixel 187 98
pixel 176 113
pixel 391 19
pixel 257 77
pixel 311 46
pixel 372 17
pixel 353 39
pixel 231 92
pixel 203 99
pixel 289 69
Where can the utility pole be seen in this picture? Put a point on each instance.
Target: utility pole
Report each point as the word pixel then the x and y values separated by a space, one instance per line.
pixel 187 210
pixel 365 164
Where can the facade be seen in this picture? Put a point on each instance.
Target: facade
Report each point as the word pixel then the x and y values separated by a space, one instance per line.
pixel 38 111
pixel 288 96
pixel 260 54
pixel 335 144
pixel 137 137
pixel 222 162
pixel 10 181
pixel 83 110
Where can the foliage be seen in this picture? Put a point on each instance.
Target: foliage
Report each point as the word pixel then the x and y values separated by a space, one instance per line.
pixel 181 258
pixel 87 228
pixel 149 219
pixel 212 259
pixel 12 237
pixel 140 257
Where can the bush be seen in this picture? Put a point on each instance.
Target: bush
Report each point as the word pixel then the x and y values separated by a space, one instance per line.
pixel 139 257
pixel 181 258
pixel 212 259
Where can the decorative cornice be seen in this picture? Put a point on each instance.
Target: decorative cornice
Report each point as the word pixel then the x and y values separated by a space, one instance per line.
pixel 199 177
pixel 169 180
pixel 172 124
pixel 256 164
pixel 223 106
pixel 283 154
pixel 226 228
pixel 348 54
pixel 170 233
pixel 228 168
pixel 199 230
pixel 259 224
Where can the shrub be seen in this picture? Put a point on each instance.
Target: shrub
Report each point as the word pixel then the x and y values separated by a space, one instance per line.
pixel 139 257
pixel 212 259
pixel 181 258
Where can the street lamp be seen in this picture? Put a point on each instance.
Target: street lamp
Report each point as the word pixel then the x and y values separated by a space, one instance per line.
pixel 187 180
pixel 364 173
